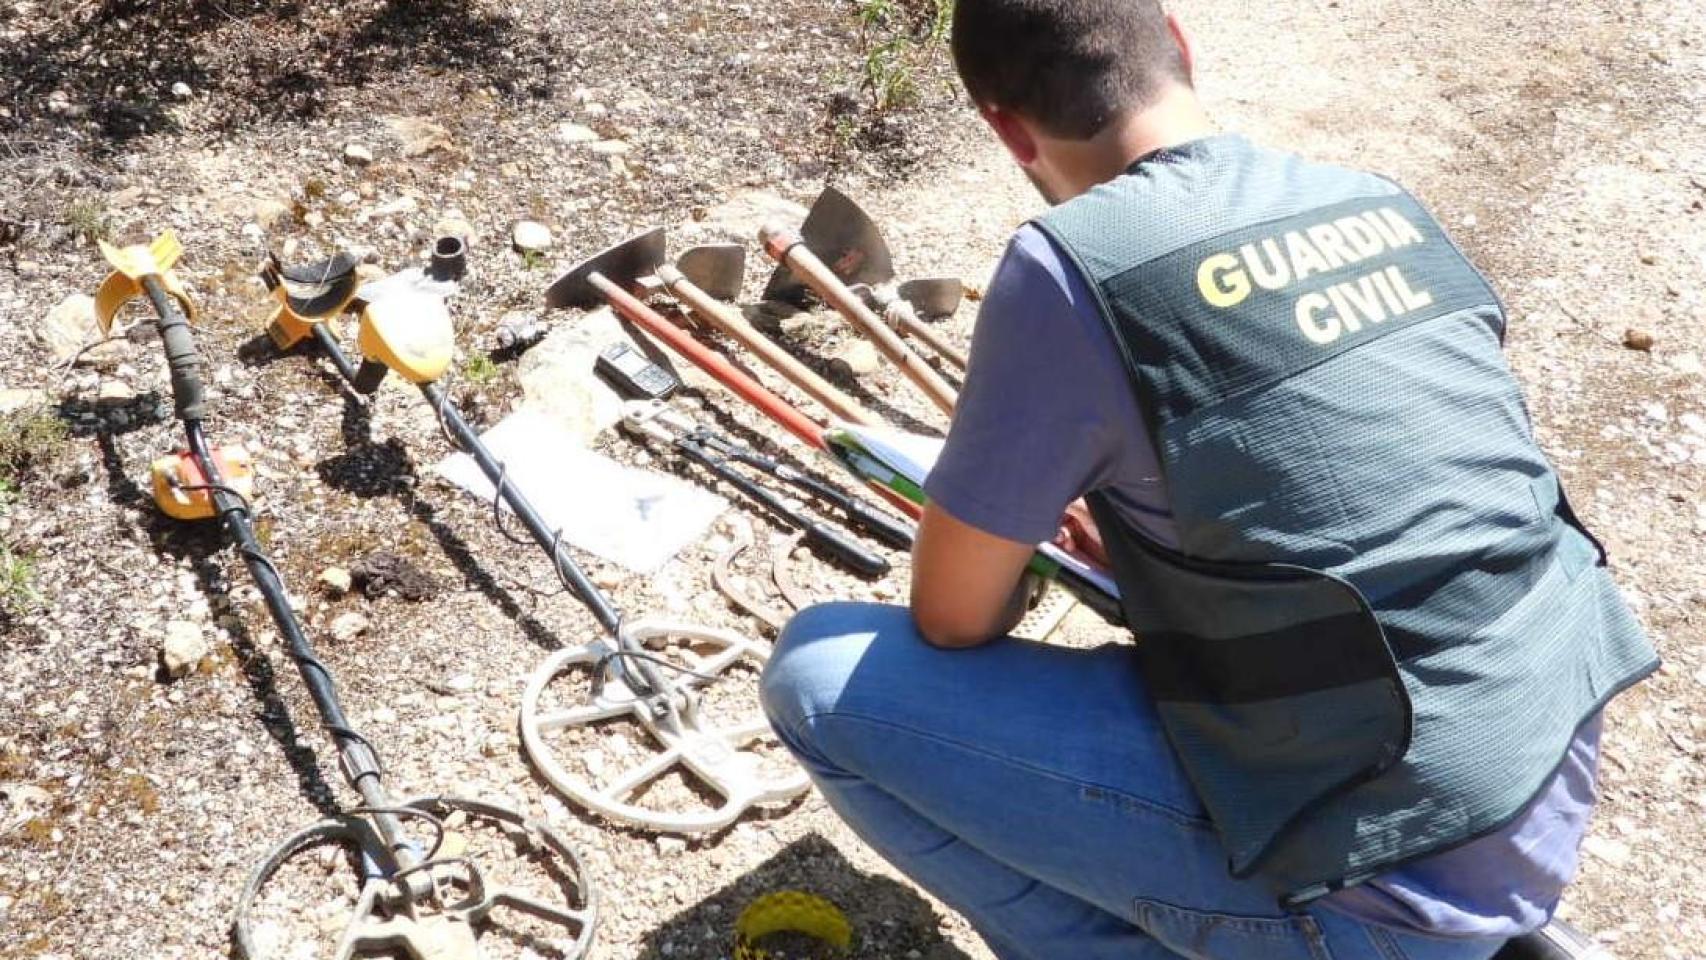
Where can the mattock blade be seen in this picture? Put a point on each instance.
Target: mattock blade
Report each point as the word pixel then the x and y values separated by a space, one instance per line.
pixel 846 239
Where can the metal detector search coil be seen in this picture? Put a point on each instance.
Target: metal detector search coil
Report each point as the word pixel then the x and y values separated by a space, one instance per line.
pixel 793 911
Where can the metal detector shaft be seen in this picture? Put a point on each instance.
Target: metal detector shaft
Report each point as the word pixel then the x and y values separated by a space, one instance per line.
pixel 359 762
pixel 470 441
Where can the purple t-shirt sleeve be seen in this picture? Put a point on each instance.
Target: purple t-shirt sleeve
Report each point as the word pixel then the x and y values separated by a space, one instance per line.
pixel 1045 401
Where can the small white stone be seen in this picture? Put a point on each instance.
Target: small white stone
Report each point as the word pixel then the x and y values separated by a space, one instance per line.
pixel 610 148
pixel 575 133
pixel 182 90
pixel 183 649
pixel 531 236
pixel 336 580
pixel 357 154
pixel 348 626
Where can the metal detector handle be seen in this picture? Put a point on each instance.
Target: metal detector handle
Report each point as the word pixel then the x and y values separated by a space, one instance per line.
pixel 786 248
pixel 182 358
pixel 880 524
pixel 839 546
pixel 368 377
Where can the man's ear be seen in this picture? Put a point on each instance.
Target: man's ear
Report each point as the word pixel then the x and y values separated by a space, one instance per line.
pixel 1187 57
pixel 1014 134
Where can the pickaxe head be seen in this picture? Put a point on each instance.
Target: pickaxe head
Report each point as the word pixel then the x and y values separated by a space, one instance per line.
pixel 845 239
pixel 716 269
pixel 625 265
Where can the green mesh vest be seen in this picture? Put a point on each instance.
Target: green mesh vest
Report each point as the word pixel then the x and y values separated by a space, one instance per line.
pixel 1382 625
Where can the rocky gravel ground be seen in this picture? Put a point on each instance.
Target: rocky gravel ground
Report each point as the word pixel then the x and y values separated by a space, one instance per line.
pixel 1559 141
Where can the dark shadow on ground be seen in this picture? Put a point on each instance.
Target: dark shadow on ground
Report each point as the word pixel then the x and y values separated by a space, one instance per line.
pixel 890 920
pixel 99 75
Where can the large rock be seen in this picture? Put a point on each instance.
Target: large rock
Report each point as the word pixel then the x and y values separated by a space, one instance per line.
pixel 418 136
pixel 557 379
pixel 70 326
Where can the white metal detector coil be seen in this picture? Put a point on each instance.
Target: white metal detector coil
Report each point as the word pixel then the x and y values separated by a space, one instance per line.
pixel 716 755
pixel 473 907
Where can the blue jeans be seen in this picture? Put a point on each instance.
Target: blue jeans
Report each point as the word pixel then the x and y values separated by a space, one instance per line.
pixel 1030 788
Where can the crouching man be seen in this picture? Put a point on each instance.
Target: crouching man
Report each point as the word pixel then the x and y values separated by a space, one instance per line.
pixel 1361 716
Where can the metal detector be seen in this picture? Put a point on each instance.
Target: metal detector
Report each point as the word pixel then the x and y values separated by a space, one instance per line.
pixel 427 896
pixel 653 674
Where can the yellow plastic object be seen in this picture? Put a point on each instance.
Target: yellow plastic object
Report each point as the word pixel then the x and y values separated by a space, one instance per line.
pixel 286 328
pixel 790 910
pixel 410 333
pixel 130 265
pixel 180 486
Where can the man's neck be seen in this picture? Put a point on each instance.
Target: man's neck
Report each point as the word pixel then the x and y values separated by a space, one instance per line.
pixel 1178 117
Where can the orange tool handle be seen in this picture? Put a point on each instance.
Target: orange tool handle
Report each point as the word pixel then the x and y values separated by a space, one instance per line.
pixel 785 247
pixel 735 327
pixel 710 361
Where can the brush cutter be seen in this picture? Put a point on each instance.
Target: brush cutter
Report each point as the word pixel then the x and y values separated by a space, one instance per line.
pixel 844 237
pixel 654 420
pixel 432 899
pixel 405 329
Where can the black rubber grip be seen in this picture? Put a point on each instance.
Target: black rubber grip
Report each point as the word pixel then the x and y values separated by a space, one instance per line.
pixel 880 524
pixel 368 377
pixel 188 394
pixel 843 549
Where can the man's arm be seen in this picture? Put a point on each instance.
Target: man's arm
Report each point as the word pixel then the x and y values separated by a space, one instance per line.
pixel 968 586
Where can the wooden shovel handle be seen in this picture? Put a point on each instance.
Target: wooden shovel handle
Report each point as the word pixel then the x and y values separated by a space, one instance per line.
pixel 729 321
pixel 784 246
pixel 912 326
pixel 710 361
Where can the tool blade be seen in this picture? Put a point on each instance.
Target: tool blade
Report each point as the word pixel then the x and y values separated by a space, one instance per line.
pixel 623 264
pixel 716 269
pixel 845 238
pixel 933 296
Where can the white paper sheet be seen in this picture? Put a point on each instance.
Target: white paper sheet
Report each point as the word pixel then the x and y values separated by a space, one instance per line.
pixel 636 518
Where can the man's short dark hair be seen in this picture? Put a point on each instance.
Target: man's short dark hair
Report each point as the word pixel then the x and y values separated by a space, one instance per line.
pixel 1070 66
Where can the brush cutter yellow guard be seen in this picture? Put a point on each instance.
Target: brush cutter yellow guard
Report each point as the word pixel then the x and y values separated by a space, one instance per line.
pixel 794 911
pixel 130 265
pixel 180 488
pixel 410 333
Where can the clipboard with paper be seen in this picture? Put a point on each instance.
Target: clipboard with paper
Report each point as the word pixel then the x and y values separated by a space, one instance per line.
pixel 900 462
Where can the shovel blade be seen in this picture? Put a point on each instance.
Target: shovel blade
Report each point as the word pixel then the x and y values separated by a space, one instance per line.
pixel 933 296
pixel 716 269
pixel 623 264
pixel 845 239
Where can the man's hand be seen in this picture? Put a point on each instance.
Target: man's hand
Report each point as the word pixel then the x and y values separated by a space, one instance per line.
pixel 968 587
pixel 1080 536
